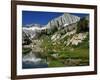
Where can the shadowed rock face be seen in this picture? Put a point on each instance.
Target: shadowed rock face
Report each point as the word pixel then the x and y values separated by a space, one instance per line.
pixel 26 40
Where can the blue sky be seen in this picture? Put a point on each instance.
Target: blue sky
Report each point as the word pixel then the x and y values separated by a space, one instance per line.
pixel 30 17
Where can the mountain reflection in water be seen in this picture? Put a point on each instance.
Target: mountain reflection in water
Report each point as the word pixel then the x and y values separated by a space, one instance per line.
pixel 31 61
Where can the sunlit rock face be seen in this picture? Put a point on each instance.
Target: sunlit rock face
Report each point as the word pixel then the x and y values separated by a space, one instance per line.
pixel 63 21
pixel 77 38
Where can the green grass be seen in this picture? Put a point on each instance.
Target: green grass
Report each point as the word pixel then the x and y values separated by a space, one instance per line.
pixel 55 63
pixel 77 53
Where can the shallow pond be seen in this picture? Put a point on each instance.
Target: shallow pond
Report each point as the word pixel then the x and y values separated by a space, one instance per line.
pixel 30 60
